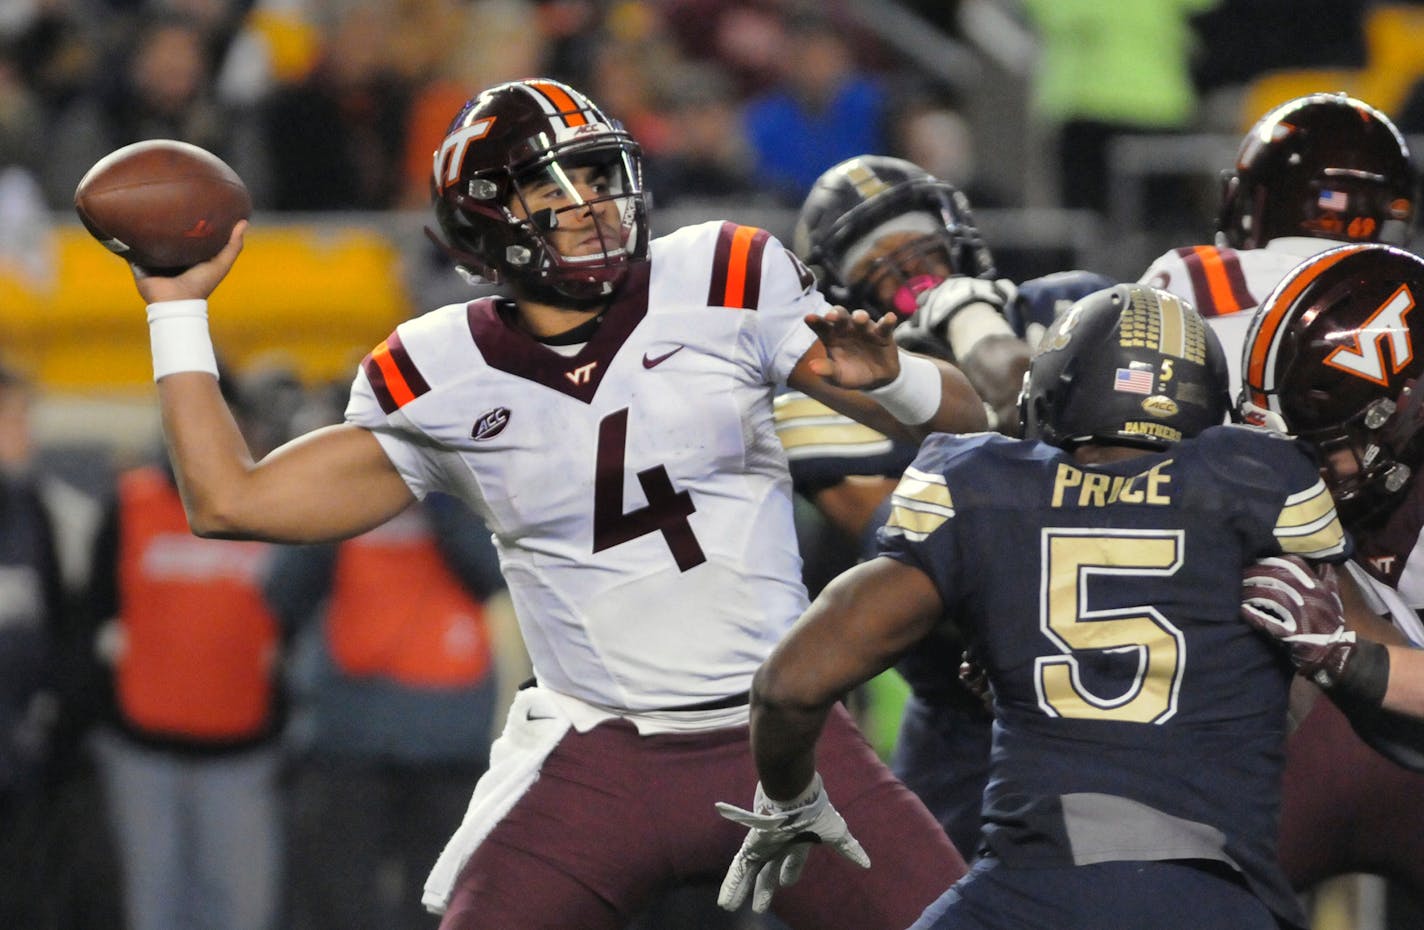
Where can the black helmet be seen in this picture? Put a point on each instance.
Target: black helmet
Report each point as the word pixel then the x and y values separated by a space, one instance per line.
pixel 1128 365
pixel 856 198
pixel 1334 356
pixel 511 137
pixel 1323 165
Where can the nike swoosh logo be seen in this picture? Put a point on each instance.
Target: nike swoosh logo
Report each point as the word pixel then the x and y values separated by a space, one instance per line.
pixel 655 362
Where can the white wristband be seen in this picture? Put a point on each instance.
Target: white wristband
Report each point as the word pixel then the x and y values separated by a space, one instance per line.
pixel 973 324
pixel 808 794
pixel 914 396
pixel 178 335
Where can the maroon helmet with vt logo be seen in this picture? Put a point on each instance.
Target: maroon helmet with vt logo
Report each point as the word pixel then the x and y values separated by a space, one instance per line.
pixel 525 136
pixel 1334 356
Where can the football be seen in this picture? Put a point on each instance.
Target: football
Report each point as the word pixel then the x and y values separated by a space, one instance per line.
pixel 162 204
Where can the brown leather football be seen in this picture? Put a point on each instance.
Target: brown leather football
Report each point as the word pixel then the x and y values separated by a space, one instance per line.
pixel 162 204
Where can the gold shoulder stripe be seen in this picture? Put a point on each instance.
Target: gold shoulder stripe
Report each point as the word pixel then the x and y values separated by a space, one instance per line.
pixel 848 433
pixel 924 487
pixel 1306 506
pixel 920 504
pixel 794 404
pixel 1308 524
pixel 915 526
pixel 807 427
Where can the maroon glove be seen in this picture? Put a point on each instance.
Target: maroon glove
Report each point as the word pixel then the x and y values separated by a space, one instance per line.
pixel 1299 605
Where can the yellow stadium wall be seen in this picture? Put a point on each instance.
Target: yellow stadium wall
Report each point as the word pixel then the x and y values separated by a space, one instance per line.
pixel 320 295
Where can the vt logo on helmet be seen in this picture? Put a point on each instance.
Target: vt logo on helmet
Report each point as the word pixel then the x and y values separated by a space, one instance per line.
pixel 524 160
pixel 1334 356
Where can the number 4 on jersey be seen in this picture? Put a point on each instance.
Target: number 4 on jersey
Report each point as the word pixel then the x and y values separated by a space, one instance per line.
pixel 666 511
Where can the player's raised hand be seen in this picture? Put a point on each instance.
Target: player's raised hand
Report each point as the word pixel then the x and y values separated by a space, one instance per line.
pixel 775 851
pixel 197 282
pixel 860 352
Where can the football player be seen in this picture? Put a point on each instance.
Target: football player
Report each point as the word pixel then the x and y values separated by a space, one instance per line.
pixel 883 234
pixel 610 419
pixel 1314 172
pixel 1138 721
pixel 1334 355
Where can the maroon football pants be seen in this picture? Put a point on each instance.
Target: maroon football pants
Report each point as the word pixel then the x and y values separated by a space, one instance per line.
pixel 1345 808
pixel 615 817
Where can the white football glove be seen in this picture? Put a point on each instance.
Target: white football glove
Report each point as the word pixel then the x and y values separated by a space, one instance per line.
pixel 942 303
pixel 774 852
pixel 959 312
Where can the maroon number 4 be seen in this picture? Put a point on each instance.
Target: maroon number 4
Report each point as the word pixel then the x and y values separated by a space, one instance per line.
pixel 666 511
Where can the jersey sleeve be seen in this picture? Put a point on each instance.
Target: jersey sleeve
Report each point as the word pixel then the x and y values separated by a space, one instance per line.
pixel 1039 301
pixel 788 294
pixel 1277 479
pixel 399 438
pixel 920 530
pixel 1164 271
pixel 824 447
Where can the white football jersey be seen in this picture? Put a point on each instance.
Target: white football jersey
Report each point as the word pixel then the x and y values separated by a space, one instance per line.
pixel 636 489
pixel 1226 285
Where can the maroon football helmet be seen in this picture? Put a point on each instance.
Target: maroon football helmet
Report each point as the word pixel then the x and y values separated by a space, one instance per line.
pixel 505 142
pixel 1334 356
pixel 1326 166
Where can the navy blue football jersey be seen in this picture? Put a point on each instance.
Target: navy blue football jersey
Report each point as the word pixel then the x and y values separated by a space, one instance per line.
pixel 824 447
pixel 1040 301
pixel 1137 716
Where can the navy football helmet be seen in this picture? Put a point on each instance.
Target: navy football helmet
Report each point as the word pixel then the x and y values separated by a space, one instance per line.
pixel 1334 356
pixel 1129 365
pixel 1326 166
pixel 856 199
pixel 505 142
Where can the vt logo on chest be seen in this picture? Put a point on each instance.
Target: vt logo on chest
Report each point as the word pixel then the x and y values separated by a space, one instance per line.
pixel 582 374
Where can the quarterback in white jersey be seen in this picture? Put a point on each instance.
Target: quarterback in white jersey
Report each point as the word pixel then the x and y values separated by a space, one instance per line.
pixel 611 421
pixel 673 388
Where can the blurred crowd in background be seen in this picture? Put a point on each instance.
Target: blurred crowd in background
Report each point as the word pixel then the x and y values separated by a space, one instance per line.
pixel 337 104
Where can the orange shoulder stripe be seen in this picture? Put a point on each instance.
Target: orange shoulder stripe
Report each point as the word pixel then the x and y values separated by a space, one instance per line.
pixel 393 376
pixel 736 267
